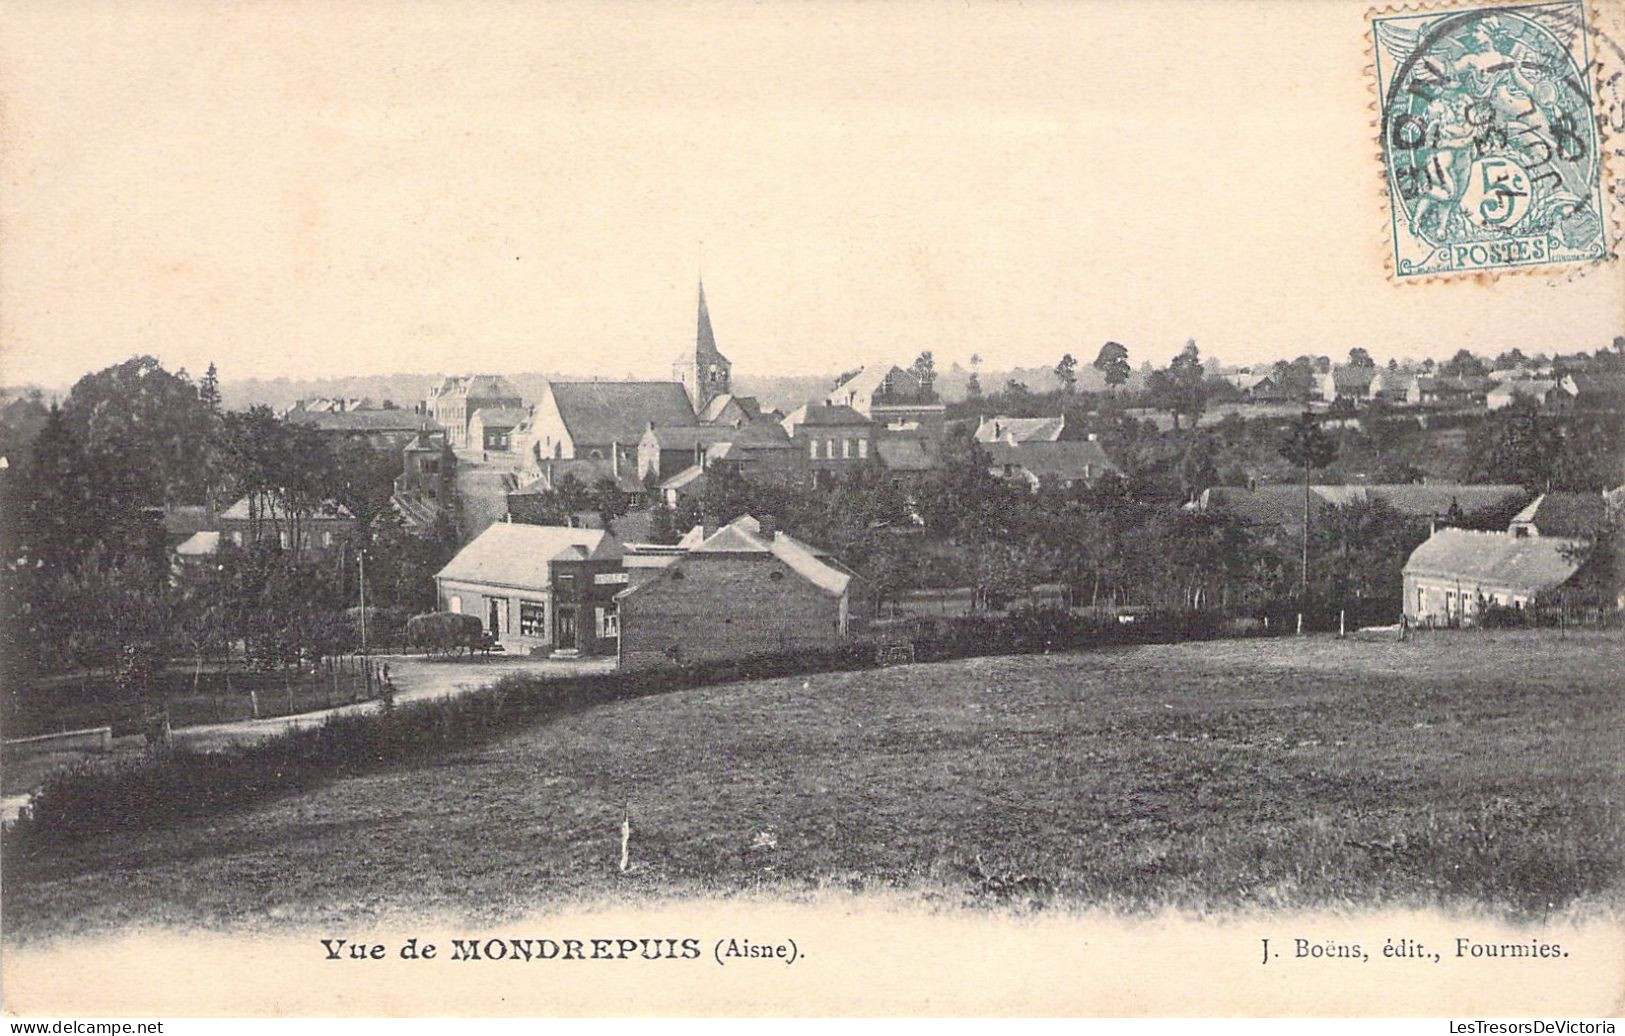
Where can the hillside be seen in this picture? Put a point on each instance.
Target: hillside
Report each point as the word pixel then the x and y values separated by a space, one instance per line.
pixel 1292 773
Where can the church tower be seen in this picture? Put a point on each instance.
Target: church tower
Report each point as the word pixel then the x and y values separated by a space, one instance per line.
pixel 706 373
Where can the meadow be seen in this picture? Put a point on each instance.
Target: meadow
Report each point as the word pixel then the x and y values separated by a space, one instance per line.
pixel 1472 769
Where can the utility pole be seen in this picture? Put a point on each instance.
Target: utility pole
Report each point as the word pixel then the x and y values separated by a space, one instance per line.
pixel 361 563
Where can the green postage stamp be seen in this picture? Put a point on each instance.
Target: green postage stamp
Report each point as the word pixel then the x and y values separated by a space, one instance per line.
pixel 1490 139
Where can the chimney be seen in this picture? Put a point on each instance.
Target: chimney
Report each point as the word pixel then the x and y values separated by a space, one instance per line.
pixel 769 525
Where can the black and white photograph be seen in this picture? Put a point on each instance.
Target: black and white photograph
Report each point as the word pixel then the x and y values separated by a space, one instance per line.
pixel 812 509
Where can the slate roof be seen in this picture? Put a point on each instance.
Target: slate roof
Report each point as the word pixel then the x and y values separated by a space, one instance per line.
pixel 869 379
pixel 1283 504
pixel 598 413
pixel 824 415
pixel 1529 563
pixel 1574 515
pixel 199 544
pixel 500 416
pixel 1068 460
pixel 744 536
pixel 1023 429
pixel 486 386
pixel 713 410
pixel 587 470
pixel 685 478
pixel 1353 379
pixel 361 421
pixel 271 507
pixel 515 555
pixel 1536 388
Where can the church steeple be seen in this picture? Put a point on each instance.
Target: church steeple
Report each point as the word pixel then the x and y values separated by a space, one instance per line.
pixel 705 343
pixel 706 373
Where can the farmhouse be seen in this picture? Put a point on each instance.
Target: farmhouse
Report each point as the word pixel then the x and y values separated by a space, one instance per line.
pixel 539 588
pixel 1348 382
pixel 1450 579
pixel 1060 464
pixel 1541 391
pixel 1020 429
pixel 743 590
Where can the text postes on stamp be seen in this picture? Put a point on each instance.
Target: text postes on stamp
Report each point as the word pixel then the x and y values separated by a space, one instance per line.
pixel 1490 138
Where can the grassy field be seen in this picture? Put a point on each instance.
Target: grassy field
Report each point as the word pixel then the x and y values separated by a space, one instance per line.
pixel 1458 769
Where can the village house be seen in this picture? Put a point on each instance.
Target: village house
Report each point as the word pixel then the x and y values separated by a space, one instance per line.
pixel 1347 383
pixel 1429 390
pixel 383 427
pixel 455 400
pixel 1593 390
pixel 894 399
pixel 426 488
pixel 312 533
pixel 598 420
pixel 1280 507
pixel 1020 429
pixel 1542 392
pixel 539 589
pixel 491 428
pixel 830 438
pixel 1563 515
pixel 744 590
pixel 1061 465
pixel 761 449
pixel 1453 577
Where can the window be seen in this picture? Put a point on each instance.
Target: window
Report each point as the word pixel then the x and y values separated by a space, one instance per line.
pixel 609 622
pixel 237 538
pixel 812 449
pixel 776 575
pixel 863 448
pixel 327 538
pixel 282 538
pixel 456 604
pixel 846 448
pixel 829 448
pixel 532 619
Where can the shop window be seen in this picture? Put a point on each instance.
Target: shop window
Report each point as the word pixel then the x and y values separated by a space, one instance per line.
pixel 532 619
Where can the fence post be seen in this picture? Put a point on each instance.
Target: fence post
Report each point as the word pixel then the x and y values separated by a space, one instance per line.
pixel 1300 624
pixel 1342 626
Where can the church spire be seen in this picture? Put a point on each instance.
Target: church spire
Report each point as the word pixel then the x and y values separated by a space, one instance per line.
pixel 706 342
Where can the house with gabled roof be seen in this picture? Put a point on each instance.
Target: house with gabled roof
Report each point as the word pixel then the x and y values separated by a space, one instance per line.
pixel 894 399
pixel 1457 573
pixel 744 590
pixel 1061 464
pixel 454 400
pixel 1020 429
pixel 538 588
pixel 830 438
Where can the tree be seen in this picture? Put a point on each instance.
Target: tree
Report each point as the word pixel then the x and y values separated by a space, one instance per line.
pixel 1112 362
pixel 1197 468
pixel 609 500
pixel 1181 389
pixel 973 388
pixel 1463 365
pixel 1511 359
pixel 1066 372
pixel 925 371
pixel 1358 357
pixel 663 524
pixel 1305 446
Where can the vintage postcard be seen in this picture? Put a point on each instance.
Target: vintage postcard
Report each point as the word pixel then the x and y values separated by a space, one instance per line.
pixel 715 508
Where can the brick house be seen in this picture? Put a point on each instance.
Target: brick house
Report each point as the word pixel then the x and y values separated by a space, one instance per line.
pixel 894 399
pixel 455 400
pixel 491 427
pixel 318 532
pixel 830 438
pixel 744 590
pixel 539 588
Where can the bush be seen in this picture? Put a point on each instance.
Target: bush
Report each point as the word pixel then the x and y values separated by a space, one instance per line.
pixel 97 799
pixel 444 632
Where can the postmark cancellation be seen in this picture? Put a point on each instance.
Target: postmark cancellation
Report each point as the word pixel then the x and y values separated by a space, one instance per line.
pixel 1490 142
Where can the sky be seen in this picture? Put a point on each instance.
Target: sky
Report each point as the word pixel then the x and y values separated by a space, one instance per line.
pixel 333 188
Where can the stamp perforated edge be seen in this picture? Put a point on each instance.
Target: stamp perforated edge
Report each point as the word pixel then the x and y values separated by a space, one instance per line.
pixel 1611 189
